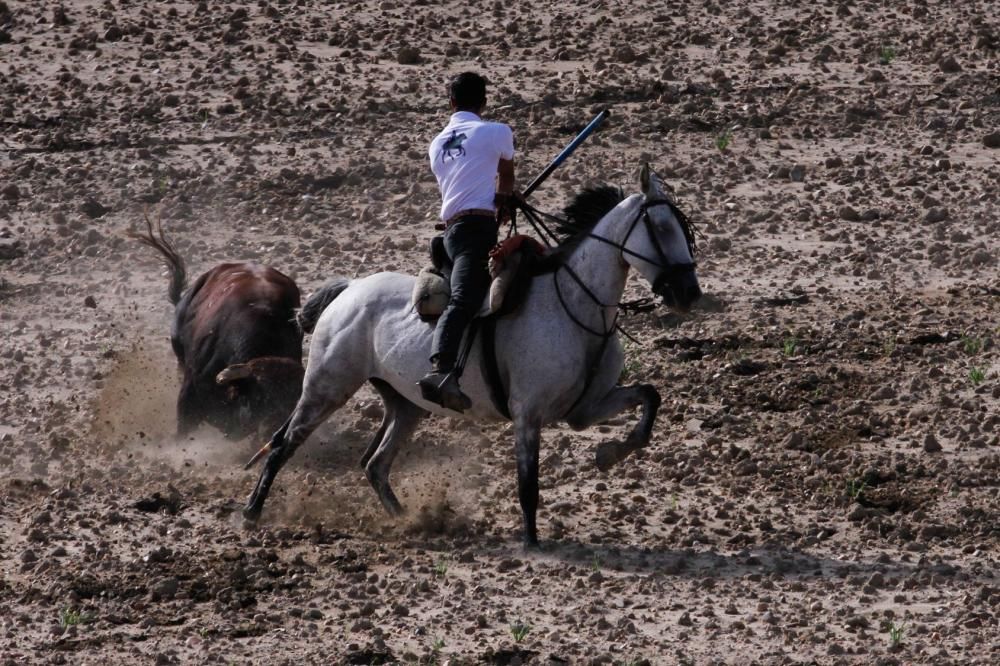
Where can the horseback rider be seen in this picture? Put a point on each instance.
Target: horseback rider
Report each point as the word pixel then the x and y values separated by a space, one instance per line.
pixel 473 161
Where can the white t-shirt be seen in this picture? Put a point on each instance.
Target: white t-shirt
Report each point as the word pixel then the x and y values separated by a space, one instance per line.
pixel 464 158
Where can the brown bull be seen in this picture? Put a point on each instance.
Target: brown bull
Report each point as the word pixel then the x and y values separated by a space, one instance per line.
pixel 237 343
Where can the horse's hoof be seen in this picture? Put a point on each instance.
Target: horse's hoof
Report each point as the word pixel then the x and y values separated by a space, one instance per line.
pixel 251 515
pixel 608 455
pixel 532 546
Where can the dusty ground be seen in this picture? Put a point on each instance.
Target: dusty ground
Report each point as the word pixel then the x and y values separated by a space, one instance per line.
pixel 825 475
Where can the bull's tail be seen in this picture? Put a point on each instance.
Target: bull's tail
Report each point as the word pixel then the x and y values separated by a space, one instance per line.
pixel 155 239
pixel 317 302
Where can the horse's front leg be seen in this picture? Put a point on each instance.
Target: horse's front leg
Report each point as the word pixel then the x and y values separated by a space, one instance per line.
pixel 527 440
pixel 616 401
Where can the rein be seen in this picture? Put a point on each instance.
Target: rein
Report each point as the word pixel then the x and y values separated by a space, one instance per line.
pixel 535 216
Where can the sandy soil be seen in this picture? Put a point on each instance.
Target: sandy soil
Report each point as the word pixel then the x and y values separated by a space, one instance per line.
pixel 824 481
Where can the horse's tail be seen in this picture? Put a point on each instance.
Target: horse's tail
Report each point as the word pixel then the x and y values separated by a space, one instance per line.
pixel 155 239
pixel 317 302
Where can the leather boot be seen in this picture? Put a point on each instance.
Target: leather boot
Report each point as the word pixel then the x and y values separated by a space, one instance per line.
pixel 441 387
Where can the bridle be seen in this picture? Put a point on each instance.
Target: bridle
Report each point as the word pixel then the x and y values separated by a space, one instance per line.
pixel 668 269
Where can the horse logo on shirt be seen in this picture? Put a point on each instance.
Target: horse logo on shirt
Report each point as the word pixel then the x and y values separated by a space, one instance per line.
pixel 453 148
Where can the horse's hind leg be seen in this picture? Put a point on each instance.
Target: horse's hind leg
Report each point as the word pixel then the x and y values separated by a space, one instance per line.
pixel 617 400
pixel 401 418
pixel 386 392
pixel 314 407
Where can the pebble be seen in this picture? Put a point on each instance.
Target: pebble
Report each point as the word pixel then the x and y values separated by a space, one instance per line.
pixel 408 55
pixel 949 65
pixel 792 441
pixel 931 444
pixel 624 54
pixel 10 248
pixel 936 215
pixel 92 209
pixel 992 140
pixel 848 213
pixel 165 588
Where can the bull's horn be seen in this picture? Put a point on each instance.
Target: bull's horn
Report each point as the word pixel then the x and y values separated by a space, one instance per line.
pixel 264 450
pixel 233 372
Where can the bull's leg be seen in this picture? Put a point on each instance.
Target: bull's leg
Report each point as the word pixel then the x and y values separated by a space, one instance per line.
pixel 617 400
pixel 527 440
pixel 309 413
pixel 404 416
pixel 190 409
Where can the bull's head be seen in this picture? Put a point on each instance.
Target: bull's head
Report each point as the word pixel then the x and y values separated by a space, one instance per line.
pixel 261 392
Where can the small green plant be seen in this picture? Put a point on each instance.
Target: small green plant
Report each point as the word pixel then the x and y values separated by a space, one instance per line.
pixel 723 140
pixel 889 345
pixel 436 646
pixel 972 345
pixel 674 501
pixel 789 347
pixel 160 186
pixel 519 630
pixel 886 55
pixel 855 487
pixel 977 375
pixel 596 563
pixel 631 364
pixel 441 567
pixel 896 632
pixel 69 617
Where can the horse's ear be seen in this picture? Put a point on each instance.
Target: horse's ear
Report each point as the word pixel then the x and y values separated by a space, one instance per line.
pixel 644 178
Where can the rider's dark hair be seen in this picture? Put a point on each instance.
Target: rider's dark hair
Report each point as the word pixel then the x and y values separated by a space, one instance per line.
pixel 468 89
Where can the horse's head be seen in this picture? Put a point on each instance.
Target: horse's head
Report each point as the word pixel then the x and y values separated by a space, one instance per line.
pixel 660 245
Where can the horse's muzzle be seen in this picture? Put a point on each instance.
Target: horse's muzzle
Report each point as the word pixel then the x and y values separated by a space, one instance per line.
pixel 678 290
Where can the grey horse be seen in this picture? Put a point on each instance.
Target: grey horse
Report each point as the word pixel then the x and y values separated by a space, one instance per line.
pixel 558 355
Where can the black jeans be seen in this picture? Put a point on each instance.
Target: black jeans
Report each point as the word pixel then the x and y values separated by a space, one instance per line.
pixel 468 243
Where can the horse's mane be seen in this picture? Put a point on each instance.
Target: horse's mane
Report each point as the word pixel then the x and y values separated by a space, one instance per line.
pixel 587 209
pixel 580 217
pixel 583 213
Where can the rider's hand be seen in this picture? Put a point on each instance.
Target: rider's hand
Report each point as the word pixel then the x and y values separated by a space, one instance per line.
pixel 506 203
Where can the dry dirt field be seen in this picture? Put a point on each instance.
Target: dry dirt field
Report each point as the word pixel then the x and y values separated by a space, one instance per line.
pixel 823 484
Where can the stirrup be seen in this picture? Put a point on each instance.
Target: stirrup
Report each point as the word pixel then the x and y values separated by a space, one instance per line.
pixel 442 388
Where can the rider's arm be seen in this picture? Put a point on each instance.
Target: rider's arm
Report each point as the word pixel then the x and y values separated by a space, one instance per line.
pixel 505 176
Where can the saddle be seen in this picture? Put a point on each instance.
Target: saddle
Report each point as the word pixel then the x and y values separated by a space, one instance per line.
pixel 513 263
